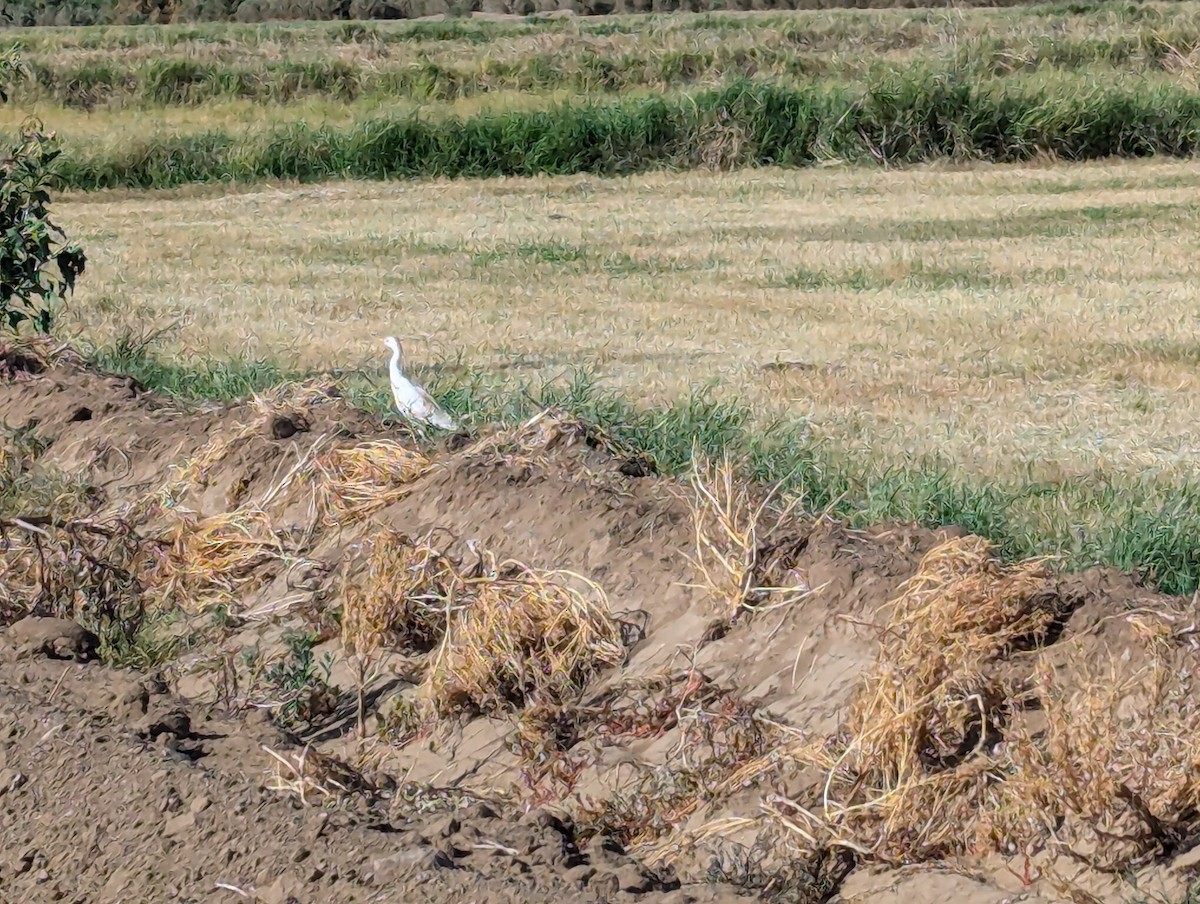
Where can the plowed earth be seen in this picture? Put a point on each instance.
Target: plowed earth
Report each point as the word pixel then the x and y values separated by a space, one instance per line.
pixel 175 780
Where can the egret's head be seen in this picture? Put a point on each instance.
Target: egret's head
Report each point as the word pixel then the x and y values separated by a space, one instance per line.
pixel 393 344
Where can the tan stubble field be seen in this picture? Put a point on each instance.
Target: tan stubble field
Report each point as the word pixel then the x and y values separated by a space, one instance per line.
pixel 1036 321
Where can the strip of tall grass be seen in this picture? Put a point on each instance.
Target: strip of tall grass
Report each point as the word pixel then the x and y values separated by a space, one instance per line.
pixel 841 29
pixel 901 118
pixel 190 82
pixel 446 61
pixel 138 12
pixel 1138 525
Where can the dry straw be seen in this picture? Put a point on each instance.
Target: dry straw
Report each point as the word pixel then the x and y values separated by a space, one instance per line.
pixel 310 772
pixel 214 560
pixel 292 398
pixel 32 354
pixel 398 601
pixel 906 778
pixel 734 536
pixel 517 636
pixel 502 633
pixel 94 572
pixel 1111 774
pixel 966 738
pixel 196 471
pixel 529 443
pixel 355 481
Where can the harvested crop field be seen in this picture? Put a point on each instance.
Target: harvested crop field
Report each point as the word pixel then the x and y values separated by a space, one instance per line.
pixel 1020 321
pixel 1010 348
pixel 821 522
pixel 326 662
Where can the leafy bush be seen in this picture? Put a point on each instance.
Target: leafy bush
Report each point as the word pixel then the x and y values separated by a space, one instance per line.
pixel 38 267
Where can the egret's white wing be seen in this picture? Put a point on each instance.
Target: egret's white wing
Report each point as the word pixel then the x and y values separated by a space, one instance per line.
pixel 414 401
pixel 434 413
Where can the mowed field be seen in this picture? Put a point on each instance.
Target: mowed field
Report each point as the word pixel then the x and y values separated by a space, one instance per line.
pixel 1018 322
pixel 994 327
pixel 822 523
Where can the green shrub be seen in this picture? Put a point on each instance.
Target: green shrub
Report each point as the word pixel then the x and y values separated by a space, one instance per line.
pixel 57 12
pixel 38 267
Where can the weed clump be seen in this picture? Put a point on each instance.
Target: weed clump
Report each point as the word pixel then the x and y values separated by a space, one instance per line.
pixel 1109 776
pixel 398 602
pixel 516 636
pixel 401 599
pixel 94 573
pixel 911 770
pixel 500 635
pixel 741 544
pixel 724 742
pixel 214 560
pixel 356 481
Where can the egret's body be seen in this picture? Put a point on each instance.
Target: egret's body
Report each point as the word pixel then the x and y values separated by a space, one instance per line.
pixel 413 401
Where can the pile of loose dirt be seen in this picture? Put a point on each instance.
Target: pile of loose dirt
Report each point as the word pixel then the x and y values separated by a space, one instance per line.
pixel 113 789
pixel 509 667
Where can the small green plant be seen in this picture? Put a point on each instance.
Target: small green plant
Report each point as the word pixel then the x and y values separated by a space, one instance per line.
pixel 403 721
pixel 27 485
pixel 303 681
pixel 38 266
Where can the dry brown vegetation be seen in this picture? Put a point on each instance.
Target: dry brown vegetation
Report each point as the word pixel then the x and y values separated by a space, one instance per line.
pixel 353 482
pixel 738 557
pixel 963 741
pixel 905 777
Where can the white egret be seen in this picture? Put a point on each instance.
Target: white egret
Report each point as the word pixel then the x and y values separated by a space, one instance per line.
pixel 413 401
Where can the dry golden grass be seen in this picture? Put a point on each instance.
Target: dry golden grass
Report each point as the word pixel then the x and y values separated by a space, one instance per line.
pixel 965 740
pixel 400 599
pixel 733 535
pixel 1113 776
pixel 516 636
pixel 194 472
pixel 1033 320
pixel 500 633
pixel 291 398
pixel 354 481
pixel 530 443
pixel 213 560
pixel 909 773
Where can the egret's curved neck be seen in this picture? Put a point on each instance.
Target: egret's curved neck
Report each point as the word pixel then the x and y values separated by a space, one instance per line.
pixel 394 364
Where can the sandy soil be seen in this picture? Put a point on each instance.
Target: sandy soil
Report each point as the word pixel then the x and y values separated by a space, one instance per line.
pixel 179 781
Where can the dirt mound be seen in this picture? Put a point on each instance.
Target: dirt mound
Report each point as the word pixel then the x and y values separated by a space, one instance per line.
pixel 342 665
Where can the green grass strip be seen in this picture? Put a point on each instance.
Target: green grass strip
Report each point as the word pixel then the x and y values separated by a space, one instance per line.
pixel 1143 526
pixel 902 118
